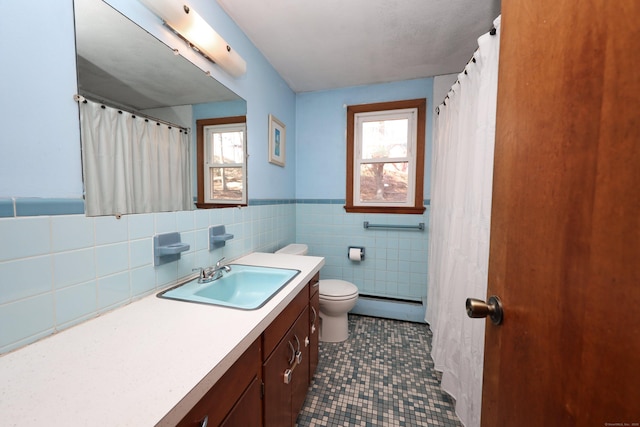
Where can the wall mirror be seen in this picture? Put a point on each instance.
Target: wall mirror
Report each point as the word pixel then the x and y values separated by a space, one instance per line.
pixel 121 64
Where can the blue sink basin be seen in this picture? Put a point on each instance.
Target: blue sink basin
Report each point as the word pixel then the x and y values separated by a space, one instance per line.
pixel 245 287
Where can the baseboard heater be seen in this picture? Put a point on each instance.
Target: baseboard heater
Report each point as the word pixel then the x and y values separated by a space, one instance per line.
pixel 390 308
pixel 390 299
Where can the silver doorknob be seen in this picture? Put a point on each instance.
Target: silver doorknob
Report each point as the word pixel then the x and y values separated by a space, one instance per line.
pixel 493 308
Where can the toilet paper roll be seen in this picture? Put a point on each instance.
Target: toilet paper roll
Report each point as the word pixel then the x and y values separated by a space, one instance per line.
pixel 355 254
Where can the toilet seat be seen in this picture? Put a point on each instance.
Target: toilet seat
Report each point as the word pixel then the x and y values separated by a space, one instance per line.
pixel 337 290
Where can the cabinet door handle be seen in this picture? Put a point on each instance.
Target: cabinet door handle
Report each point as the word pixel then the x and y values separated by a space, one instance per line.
pixel 287 376
pixel 307 341
pixel 293 354
pixel 205 421
pixel 313 321
pixel 298 352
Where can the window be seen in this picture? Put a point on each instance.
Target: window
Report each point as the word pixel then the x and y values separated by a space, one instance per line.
pixel 385 157
pixel 222 166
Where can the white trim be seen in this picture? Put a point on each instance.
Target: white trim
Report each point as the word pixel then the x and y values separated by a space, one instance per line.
pixel 409 114
pixel 208 165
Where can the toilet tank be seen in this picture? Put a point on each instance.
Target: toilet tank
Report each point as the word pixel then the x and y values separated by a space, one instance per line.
pixel 294 249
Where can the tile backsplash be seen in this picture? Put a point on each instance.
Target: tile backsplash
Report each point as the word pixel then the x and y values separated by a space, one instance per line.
pixel 60 270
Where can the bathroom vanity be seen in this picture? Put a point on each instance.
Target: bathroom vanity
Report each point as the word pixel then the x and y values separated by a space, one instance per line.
pixel 164 362
pixel 270 380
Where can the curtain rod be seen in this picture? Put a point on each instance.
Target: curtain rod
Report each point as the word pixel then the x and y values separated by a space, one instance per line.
pixel 81 98
pixel 492 32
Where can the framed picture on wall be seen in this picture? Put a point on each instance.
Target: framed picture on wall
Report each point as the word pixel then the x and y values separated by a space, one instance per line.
pixel 277 141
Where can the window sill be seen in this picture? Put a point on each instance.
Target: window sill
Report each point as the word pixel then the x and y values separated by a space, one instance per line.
pixel 385 209
pixel 200 205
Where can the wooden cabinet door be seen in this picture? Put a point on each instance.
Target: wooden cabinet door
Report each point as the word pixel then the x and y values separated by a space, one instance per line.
pixel 314 333
pixel 283 400
pixel 233 387
pixel 277 393
pixel 300 380
pixel 248 410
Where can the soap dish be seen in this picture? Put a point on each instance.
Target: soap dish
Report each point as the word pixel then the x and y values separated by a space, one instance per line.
pixel 167 248
pixel 218 236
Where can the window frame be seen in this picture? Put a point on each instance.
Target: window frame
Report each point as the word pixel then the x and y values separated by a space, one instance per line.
pixel 201 124
pixel 418 205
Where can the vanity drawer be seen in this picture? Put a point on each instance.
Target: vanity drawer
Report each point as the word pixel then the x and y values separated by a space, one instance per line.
pixel 314 285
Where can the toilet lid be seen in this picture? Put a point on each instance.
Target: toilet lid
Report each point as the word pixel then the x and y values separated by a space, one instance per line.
pixel 294 249
pixel 337 289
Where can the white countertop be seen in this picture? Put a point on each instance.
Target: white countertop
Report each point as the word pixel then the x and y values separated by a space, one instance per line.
pixel 131 366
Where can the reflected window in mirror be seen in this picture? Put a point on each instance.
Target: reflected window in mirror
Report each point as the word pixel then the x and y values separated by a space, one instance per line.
pixel 222 162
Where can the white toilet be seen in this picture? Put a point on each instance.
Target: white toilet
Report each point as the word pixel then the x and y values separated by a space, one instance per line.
pixel 337 297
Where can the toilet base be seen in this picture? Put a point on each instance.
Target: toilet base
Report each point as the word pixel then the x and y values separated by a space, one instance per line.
pixel 334 328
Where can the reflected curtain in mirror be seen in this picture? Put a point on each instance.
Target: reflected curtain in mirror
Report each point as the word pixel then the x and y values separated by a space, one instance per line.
pixel 132 164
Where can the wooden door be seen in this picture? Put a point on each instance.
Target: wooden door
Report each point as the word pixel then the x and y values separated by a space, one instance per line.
pixel 565 231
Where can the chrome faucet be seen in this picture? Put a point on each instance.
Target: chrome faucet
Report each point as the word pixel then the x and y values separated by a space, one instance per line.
pixel 219 268
pixel 210 274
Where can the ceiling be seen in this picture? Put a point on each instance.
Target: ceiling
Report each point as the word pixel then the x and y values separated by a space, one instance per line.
pixel 328 44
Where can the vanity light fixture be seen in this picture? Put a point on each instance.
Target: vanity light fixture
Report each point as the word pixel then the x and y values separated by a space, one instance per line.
pixel 190 26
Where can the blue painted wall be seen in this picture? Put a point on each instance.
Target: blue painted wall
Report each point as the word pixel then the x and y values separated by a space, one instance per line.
pixel 321 119
pixel 41 137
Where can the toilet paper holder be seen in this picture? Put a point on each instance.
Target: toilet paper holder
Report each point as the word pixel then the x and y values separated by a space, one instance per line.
pixel 359 249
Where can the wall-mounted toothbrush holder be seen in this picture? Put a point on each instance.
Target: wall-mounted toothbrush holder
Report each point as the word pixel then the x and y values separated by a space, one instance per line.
pixel 167 248
pixel 218 236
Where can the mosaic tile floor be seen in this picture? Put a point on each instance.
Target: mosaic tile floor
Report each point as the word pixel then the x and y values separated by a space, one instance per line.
pixel 381 376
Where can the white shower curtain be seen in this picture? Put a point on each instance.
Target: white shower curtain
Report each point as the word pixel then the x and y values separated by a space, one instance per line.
pixel 132 165
pixel 462 176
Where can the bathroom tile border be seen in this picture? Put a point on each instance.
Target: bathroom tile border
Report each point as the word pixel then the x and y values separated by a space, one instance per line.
pixel 264 202
pixel 33 206
pixel 427 202
pixel 6 208
pixel 38 207
pixel 321 201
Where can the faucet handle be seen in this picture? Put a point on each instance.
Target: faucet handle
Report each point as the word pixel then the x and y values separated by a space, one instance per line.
pixel 201 271
pixel 219 261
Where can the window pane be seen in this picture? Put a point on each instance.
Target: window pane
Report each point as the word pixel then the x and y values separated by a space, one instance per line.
pixel 385 138
pixel 226 147
pixel 226 183
pixel 384 182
